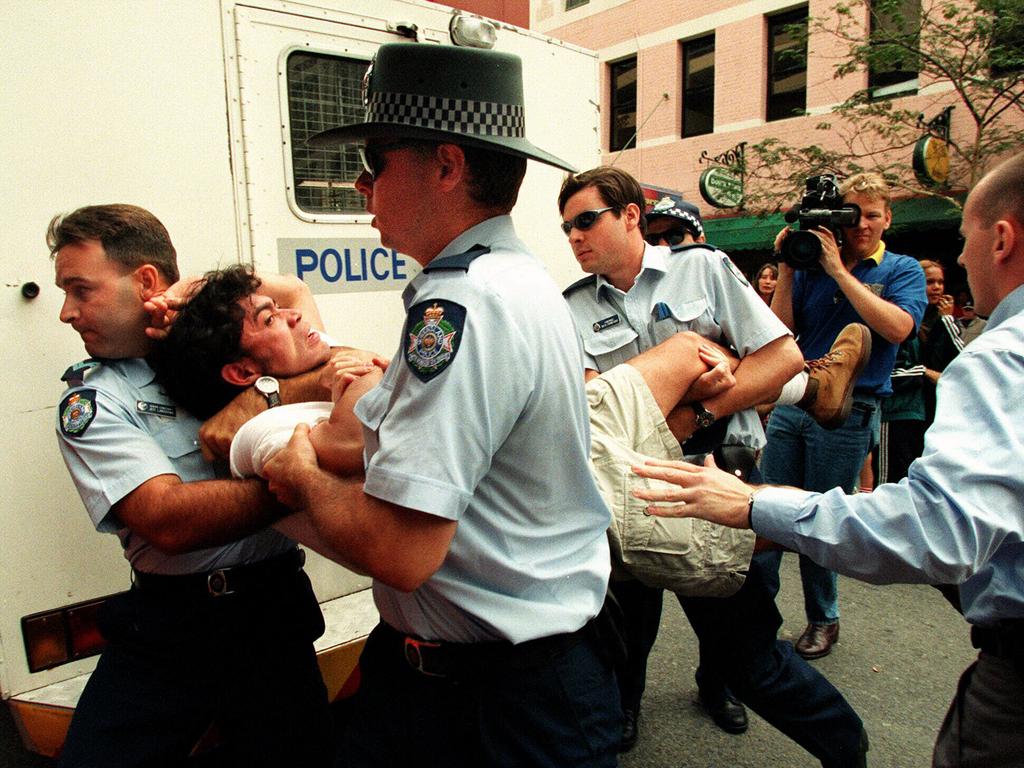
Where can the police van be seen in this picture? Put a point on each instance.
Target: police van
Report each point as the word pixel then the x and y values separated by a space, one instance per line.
pixel 199 111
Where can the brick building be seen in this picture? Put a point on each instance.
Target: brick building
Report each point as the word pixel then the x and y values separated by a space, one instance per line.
pixel 695 78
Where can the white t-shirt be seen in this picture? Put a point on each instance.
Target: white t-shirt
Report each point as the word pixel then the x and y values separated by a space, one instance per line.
pixel 264 435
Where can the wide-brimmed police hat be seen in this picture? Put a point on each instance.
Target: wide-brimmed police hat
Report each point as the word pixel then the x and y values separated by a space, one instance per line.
pixel 444 93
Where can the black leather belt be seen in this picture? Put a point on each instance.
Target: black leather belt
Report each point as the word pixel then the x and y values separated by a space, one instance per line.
pixel 1005 640
pixel 222 581
pixel 444 659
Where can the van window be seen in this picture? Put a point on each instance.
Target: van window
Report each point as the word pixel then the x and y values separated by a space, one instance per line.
pixel 324 92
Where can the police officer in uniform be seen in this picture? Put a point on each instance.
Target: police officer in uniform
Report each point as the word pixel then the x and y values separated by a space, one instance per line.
pixel 478 519
pixel 219 623
pixel 636 296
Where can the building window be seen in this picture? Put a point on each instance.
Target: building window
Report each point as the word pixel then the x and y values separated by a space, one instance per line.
pixel 895 40
pixel 571 4
pixel 787 65
pixel 623 104
pixel 324 92
pixel 699 86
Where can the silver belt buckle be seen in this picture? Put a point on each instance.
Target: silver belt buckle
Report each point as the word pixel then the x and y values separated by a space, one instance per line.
pixel 413 651
pixel 217 583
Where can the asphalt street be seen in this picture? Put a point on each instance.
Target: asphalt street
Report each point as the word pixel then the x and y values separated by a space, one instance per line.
pixel 900 653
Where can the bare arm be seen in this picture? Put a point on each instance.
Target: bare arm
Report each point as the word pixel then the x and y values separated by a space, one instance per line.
pixel 178 517
pixel 398 546
pixel 782 299
pixel 883 317
pixel 289 291
pixel 339 440
pixel 299 527
pixel 217 432
pixel 759 376
pixel 285 290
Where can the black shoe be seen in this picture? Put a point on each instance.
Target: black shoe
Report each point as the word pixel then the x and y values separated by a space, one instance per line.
pixel 630 729
pixel 729 715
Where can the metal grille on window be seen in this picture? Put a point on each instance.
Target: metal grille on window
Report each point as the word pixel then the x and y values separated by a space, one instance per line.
pixel 324 92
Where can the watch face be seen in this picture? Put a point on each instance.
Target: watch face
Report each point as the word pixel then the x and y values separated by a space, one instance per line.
pixel 705 418
pixel 267 385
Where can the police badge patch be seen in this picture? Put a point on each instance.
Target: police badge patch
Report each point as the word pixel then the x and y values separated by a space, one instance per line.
pixel 433 332
pixel 77 411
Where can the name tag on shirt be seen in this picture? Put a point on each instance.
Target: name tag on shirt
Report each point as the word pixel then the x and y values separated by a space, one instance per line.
pixel 608 322
pixel 157 409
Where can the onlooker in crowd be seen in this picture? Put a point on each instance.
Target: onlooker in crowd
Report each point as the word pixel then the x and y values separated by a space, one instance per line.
pixel 970 324
pixel 767 276
pixel 861 282
pixel 478 518
pixel 901 436
pixel 963 297
pixel 939 333
pixel 221 618
pixel 636 296
pixel 958 515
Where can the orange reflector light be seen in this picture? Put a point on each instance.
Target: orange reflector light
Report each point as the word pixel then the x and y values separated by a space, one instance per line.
pixel 46 640
pixel 64 634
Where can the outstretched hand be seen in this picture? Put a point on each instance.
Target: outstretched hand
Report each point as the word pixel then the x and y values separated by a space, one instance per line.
pixel 704 492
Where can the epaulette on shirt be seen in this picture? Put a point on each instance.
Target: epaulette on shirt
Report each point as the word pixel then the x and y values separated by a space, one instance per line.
pixel 726 261
pixel 590 280
pixel 458 260
pixel 74 376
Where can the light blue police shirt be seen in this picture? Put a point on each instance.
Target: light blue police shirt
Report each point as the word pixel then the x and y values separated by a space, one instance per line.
pixel 499 441
pixel 137 433
pixel 695 289
pixel 958 517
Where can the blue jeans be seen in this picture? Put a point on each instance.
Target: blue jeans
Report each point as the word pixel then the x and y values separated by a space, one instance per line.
pixel 802 454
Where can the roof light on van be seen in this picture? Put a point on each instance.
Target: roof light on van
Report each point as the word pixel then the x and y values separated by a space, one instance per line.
pixel 472 31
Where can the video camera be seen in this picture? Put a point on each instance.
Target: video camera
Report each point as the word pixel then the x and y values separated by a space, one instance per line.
pixel 821 206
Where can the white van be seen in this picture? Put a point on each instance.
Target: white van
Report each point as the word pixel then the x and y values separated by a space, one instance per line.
pixel 199 111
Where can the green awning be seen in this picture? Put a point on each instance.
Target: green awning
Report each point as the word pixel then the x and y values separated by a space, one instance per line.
pixel 757 233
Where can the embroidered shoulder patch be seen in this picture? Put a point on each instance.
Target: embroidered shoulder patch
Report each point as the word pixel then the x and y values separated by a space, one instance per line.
pixel 77 411
pixel 433 332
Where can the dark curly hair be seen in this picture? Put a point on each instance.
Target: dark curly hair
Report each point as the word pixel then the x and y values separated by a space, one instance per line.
pixel 205 336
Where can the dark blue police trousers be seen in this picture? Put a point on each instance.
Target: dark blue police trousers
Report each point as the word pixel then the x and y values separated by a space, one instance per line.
pixel 558 710
pixel 174 664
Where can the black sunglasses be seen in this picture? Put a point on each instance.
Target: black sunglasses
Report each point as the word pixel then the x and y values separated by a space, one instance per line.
pixel 584 221
pixel 672 237
pixel 372 157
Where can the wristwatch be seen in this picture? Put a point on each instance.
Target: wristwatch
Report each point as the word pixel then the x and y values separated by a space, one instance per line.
pixel 269 388
pixel 705 418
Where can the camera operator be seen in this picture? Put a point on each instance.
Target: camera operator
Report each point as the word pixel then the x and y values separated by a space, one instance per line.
pixel 854 279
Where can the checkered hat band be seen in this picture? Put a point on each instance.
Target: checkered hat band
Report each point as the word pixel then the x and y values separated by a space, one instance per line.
pixel 465 116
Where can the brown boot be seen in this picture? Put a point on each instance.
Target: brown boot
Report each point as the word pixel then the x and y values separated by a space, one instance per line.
pixel 829 394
